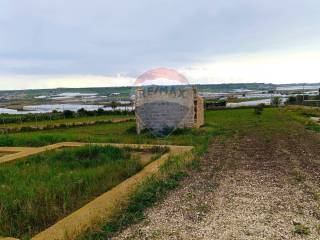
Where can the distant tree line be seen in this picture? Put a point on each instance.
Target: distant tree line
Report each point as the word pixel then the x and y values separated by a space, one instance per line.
pixel 304 100
pixel 214 104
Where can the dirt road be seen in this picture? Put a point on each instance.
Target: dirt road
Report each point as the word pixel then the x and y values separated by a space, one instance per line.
pixel 254 186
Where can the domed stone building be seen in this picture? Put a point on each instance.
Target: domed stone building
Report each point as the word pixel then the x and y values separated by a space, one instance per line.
pixel 163 109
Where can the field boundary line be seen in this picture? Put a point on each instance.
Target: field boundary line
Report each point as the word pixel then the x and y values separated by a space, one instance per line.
pixel 30 128
pixel 103 207
pixel 23 152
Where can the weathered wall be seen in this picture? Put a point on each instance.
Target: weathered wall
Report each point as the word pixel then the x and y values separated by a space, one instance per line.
pixel 159 109
pixel 199 110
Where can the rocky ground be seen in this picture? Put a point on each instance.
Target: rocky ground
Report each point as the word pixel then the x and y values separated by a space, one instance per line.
pixel 254 186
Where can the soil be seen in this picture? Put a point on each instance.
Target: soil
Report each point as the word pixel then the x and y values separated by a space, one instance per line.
pixel 249 187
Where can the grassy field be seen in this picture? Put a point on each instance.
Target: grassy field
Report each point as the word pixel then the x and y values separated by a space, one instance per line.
pixel 303 114
pixel 239 100
pixel 61 121
pixel 224 123
pixel 38 191
pixel 115 132
pixel 217 122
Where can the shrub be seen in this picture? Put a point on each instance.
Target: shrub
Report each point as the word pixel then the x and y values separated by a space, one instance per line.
pixel 113 105
pixel 68 114
pixel 259 109
pixel 82 112
pixel 100 111
pixel 291 100
pixel 276 101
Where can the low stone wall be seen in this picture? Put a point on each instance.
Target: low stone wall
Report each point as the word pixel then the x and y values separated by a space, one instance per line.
pixel 199 110
pixel 102 208
pixel 31 128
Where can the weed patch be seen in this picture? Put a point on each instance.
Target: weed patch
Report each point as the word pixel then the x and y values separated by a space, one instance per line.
pixel 301 229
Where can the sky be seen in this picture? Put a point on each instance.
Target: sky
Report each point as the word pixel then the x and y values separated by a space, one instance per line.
pixel 100 43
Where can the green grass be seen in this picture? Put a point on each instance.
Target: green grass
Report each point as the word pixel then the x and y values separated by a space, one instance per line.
pixel 114 132
pixel 302 115
pixel 301 229
pixel 223 123
pixel 61 121
pixel 152 190
pixel 42 189
pixel 217 123
pixel 240 100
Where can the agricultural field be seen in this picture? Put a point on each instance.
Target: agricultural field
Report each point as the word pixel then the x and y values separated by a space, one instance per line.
pixel 258 180
pixel 42 189
pixel 110 132
pixel 217 123
pixel 61 123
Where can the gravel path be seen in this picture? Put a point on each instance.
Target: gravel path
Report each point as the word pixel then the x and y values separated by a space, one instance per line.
pixel 249 187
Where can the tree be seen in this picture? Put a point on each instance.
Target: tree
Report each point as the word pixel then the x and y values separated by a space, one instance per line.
pixel 68 114
pixel 291 100
pixel 82 112
pixel 276 101
pixel 113 105
pixel 100 111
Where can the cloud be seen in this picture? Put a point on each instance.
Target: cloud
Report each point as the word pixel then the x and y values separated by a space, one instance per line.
pixel 275 67
pixel 264 67
pixel 18 82
pixel 47 39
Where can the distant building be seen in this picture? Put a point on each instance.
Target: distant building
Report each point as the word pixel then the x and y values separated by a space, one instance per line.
pixel 114 94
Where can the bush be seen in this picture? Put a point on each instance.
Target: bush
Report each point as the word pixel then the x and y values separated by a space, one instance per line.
pixel 100 111
pixel 276 101
pixel 68 114
pixel 82 112
pixel 114 105
pixel 291 100
pixel 259 109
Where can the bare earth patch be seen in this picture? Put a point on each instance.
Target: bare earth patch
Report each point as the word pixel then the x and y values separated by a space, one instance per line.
pixel 249 187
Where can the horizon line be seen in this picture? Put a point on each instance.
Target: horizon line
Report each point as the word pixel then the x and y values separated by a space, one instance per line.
pixel 128 86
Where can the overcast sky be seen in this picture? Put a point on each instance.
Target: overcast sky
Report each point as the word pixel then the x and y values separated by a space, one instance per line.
pixel 79 43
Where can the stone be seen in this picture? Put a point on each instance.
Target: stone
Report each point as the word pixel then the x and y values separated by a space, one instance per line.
pixel 163 109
